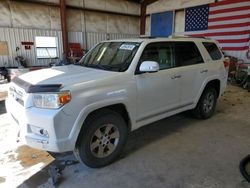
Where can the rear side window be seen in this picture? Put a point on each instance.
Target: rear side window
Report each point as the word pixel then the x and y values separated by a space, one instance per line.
pixel 187 53
pixel 213 50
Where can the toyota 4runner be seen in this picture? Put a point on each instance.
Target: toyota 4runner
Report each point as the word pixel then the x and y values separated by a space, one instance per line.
pixel 118 86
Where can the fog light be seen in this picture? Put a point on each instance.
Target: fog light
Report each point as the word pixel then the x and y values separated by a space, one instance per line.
pixel 38 131
pixel 44 132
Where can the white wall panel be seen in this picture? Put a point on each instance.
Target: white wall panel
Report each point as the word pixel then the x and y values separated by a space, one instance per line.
pixel 96 22
pixel 117 6
pixel 118 24
pixel 74 20
pixel 55 21
pixel 5 15
pixel 148 26
pixel 179 21
pixel 26 15
pixel 95 4
pixel 165 5
pixel 133 8
pixel 133 26
pixel 108 5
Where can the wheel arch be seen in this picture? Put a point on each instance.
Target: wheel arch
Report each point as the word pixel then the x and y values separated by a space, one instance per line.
pixel 214 82
pixel 119 108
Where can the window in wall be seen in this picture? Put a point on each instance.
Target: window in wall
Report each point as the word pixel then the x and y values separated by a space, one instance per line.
pixel 46 47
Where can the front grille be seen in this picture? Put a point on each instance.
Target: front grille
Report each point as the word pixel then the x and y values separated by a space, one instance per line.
pixel 16 95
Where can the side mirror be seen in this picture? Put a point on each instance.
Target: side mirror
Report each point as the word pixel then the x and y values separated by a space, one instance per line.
pixel 149 66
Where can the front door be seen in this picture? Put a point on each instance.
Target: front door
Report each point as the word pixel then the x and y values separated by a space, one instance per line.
pixel 159 92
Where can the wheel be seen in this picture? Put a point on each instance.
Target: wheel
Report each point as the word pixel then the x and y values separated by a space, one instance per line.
pixel 103 137
pixel 207 103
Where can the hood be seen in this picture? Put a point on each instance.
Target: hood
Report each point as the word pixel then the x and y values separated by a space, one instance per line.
pixel 65 75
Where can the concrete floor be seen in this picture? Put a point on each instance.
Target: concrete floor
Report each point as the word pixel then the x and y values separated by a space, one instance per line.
pixel 178 152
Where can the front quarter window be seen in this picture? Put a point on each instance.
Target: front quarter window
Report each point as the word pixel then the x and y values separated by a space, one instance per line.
pixel 112 56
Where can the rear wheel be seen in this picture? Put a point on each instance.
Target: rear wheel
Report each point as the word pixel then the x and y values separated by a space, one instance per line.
pixel 102 139
pixel 207 103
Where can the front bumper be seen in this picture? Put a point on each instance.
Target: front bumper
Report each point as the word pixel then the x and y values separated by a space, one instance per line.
pixel 41 128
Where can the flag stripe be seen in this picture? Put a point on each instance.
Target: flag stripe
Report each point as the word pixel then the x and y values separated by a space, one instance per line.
pixel 219 30
pixel 223 37
pixel 229 22
pixel 233 13
pixel 222 33
pixel 234 40
pixel 234 44
pixel 229 10
pixel 230 37
pixel 227 2
pixel 243 4
pixel 235 48
pixel 228 18
pixel 229 25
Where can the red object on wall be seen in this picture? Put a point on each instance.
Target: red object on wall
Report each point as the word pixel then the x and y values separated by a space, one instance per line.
pixel 27 47
pixel 75 50
pixel 27 43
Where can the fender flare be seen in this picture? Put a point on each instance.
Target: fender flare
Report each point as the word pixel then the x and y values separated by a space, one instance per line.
pixel 204 86
pixel 86 111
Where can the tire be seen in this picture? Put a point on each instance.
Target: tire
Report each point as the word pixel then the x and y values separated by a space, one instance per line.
pixel 102 139
pixel 207 103
pixel 243 168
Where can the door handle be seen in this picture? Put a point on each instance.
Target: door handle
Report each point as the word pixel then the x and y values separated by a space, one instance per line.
pixel 204 71
pixel 175 76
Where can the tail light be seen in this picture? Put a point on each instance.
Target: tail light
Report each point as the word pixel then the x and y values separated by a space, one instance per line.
pixel 226 63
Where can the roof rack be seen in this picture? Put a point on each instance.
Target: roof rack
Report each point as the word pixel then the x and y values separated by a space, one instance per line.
pixel 174 36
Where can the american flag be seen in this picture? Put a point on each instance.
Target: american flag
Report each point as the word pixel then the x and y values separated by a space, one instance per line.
pixel 226 21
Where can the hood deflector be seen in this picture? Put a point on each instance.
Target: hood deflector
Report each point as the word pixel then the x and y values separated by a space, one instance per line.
pixel 29 88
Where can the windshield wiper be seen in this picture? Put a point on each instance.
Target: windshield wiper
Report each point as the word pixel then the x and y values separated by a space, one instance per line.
pixel 98 66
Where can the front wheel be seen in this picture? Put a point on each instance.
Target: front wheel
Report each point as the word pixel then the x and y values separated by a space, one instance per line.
pixel 207 103
pixel 102 139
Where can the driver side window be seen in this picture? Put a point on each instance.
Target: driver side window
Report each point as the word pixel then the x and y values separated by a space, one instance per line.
pixel 161 52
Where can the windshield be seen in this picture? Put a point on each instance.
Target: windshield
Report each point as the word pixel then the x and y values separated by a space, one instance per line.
pixel 112 56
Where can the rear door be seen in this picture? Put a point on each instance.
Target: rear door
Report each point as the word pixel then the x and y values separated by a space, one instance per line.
pixel 191 63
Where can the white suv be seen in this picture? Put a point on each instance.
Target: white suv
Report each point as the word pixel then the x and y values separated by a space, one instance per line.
pixel 117 87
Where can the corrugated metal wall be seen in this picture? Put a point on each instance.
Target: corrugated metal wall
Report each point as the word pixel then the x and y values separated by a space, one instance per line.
pixel 14 37
pixel 94 38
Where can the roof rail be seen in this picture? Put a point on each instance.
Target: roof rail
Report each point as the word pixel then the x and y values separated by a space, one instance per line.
pixel 186 36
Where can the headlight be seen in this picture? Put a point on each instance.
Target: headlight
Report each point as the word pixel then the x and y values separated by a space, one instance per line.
pixel 51 100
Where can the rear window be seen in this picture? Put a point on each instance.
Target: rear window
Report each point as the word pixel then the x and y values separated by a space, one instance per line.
pixel 187 53
pixel 213 50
